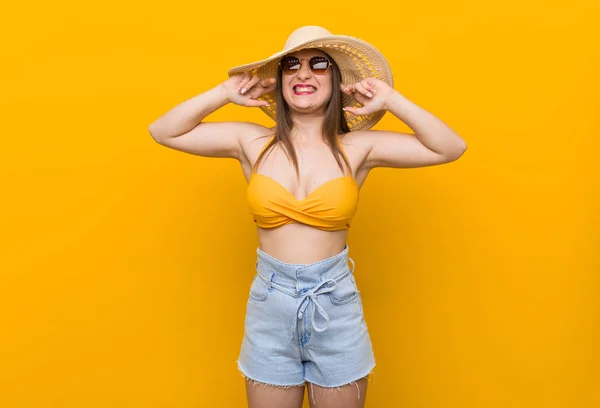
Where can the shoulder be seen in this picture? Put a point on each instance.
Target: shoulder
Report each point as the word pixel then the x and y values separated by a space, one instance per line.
pixel 249 134
pixel 255 135
pixel 359 139
pixel 253 138
pixel 357 145
pixel 249 130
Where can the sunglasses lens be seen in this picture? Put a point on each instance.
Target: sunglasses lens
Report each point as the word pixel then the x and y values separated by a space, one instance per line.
pixel 289 65
pixel 319 64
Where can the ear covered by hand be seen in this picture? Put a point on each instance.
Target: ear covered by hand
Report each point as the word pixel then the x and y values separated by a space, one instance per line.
pixel 371 93
pixel 243 89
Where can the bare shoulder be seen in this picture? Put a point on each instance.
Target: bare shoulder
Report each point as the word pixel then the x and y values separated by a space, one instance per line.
pixel 215 139
pixel 252 133
pixel 358 139
pixel 397 150
pixel 252 140
pixel 357 146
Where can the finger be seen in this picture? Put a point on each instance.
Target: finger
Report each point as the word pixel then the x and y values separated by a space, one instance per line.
pixel 369 84
pixel 360 88
pixel 356 111
pixel 352 91
pixel 247 81
pixel 260 90
pixel 256 103
pixel 246 77
pixel 267 82
pixel 253 81
pixel 268 89
pixel 266 86
pixel 358 96
pixel 348 89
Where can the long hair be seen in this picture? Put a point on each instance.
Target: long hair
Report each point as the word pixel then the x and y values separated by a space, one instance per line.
pixel 333 125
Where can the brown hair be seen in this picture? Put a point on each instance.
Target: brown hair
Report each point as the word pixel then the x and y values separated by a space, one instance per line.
pixel 334 123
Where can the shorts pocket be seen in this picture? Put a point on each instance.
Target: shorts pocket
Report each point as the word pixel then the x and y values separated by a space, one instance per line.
pixel 344 292
pixel 259 289
pixel 362 312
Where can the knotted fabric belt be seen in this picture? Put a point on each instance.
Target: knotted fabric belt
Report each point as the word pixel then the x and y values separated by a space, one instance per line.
pixel 323 287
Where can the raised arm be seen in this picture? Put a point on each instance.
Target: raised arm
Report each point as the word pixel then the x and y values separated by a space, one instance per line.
pixel 182 128
pixel 433 143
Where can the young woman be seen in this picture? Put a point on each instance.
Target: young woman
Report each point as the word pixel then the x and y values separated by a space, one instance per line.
pixel 304 317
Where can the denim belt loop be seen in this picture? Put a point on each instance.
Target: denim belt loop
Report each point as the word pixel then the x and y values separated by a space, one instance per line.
pixel 271 274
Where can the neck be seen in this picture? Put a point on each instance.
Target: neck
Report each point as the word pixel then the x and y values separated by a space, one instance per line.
pixel 307 128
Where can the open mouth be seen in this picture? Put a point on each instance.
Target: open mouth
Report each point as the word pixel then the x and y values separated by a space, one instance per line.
pixel 304 90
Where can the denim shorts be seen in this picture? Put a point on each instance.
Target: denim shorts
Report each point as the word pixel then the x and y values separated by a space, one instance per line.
pixel 305 322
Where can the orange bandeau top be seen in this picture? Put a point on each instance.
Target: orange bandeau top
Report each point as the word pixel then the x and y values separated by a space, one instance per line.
pixel 329 207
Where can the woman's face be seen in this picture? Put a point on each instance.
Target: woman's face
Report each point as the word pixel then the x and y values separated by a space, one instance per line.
pixel 303 90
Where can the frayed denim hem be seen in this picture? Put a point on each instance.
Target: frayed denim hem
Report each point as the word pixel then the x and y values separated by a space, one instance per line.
pixel 337 387
pixel 257 382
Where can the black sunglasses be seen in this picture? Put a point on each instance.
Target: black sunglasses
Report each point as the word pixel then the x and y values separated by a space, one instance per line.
pixel 318 65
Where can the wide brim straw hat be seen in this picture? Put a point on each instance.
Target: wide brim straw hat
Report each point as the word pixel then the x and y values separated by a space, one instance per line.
pixel 355 58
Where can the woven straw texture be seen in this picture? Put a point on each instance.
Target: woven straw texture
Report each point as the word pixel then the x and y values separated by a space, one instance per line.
pixel 356 59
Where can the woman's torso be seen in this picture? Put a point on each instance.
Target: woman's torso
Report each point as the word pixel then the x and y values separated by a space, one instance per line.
pixel 296 242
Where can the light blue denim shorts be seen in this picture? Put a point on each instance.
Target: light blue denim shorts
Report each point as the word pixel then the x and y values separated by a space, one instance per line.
pixel 305 322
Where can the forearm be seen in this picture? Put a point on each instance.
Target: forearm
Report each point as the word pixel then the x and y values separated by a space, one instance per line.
pixel 187 115
pixel 431 131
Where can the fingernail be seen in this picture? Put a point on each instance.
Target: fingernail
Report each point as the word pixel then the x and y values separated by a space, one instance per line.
pixel 345 89
pixel 243 90
pixel 369 94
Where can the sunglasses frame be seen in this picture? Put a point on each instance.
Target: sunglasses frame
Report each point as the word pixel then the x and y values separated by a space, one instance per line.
pixel 329 63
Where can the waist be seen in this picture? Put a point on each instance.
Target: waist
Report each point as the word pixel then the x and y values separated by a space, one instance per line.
pixel 301 244
pixel 295 275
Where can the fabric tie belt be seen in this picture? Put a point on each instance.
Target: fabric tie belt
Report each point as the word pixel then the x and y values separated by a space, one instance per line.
pixel 323 287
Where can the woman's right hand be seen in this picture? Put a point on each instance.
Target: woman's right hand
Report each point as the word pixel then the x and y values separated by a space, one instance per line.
pixel 243 89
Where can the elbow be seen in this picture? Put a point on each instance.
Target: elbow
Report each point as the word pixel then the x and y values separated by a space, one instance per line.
pixel 154 133
pixel 457 152
pixel 462 149
pixel 152 129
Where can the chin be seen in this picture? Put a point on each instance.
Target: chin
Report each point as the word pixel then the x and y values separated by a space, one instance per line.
pixel 309 108
pixel 305 104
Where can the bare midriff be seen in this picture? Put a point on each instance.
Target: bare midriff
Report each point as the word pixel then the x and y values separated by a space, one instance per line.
pixel 298 243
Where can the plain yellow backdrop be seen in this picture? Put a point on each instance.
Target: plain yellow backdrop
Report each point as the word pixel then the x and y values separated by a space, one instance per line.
pixel 125 266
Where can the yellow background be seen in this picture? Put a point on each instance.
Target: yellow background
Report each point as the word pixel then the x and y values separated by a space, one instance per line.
pixel 125 266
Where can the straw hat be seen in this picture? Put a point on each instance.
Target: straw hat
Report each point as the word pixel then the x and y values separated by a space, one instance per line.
pixel 355 58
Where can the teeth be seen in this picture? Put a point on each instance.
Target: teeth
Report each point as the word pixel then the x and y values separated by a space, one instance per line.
pixel 304 89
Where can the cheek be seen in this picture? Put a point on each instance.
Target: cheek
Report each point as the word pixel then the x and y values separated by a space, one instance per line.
pixel 285 88
pixel 327 86
pixel 285 85
pixel 327 91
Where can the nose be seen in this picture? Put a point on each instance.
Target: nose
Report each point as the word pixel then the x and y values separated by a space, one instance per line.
pixel 304 72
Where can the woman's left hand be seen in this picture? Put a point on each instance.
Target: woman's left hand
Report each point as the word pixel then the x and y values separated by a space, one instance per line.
pixel 371 92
